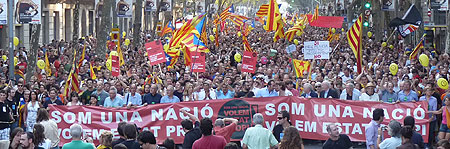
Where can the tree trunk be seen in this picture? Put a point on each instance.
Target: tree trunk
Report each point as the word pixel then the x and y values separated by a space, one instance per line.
pixel 114 13
pixel 76 16
pixel 156 18
pixel 351 11
pixel 31 57
pixel 137 24
pixel 105 28
pixel 378 25
pixel 447 42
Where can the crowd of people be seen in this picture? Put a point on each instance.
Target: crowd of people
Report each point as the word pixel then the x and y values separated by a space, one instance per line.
pixel 24 120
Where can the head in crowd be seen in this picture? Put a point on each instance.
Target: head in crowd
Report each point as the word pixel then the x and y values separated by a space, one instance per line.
pixel 206 126
pixel 258 118
pixel 2 95
pixel 378 115
pixel 106 138
pixel 326 85
pixel 38 132
pixel 130 131
pixel 219 123
pixel 284 117
pixel 27 140
pixel 307 88
pixel 120 146
pixel 76 131
pixel 409 121
pixel 147 140
pixel 120 128
pixel 231 145
pixel 291 139
pixel 74 97
pixel 407 133
pixel 333 130
pixel 14 137
pixel 394 128
pixel 187 125
pixel 112 92
pixel 169 143
pixel 42 115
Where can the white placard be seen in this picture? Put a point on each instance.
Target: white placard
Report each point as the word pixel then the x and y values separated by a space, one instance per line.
pixel 3 12
pixel 28 12
pixel 316 50
pixel 291 48
pixel 124 8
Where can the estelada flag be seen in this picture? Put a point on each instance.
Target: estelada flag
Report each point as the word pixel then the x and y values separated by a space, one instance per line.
pixel 300 67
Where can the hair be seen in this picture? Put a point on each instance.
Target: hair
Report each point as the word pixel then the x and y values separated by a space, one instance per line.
pixel 130 131
pixel 329 127
pixel 120 146
pixel 169 143
pixel 76 130
pixel 35 94
pixel 258 118
pixel 219 122
pixel 327 83
pixel 147 137
pixel 107 138
pixel 407 132
pixel 409 121
pixel 377 114
pixel 285 114
pixel 206 126
pixel 444 143
pixel 351 85
pixel 42 115
pixel 231 145
pixel 74 94
pixel 395 128
pixel 120 128
pixel 112 88
pixel 29 136
pixel 2 92
pixel 291 139
pixel 308 85
pixel 15 131
pixel 38 132
pixel 187 124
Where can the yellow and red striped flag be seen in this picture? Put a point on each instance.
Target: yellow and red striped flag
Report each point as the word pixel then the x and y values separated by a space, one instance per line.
pixel 167 29
pixel 47 64
pixel 290 34
pixel 263 9
pixel 354 40
pixel 80 62
pixel 416 50
pixel 280 32
pixel 238 19
pixel 93 76
pixel 330 35
pixel 315 15
pixel 300 67
pixel 273 17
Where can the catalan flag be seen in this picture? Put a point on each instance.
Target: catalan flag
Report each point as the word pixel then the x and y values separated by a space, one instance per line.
pixel 279 33
pixel 167 29
pixel 354 40
pixel 300 67
pixel 75 84
pixel 316 14
pixel 119 50
pixel 417 48
pixel 174 54
pixel 47 64
pixel 290 34
pixel 68 84
pixel 80 62
pixel 187 56
pixel 238 19
pixel 273 17
pixel 263 10
pixel 330 35
pixel 19 72
pixel 180 34
pixel 192 42
pixel 93 76
pixel 224 15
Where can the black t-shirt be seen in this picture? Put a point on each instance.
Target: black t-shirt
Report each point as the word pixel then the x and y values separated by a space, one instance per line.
pixel 245 94
pixel 118 141
pixel 131 144
pixel 342 143
pixel 179 95
pixel 277 130
pixel 49 102
pixel 191 136
pixel 4 115
pixel 18 95
pixel 14 105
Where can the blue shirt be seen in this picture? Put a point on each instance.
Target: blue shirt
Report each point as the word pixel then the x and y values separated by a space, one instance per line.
pixel 372 134
pixel 117 102
pixel 266 93
pixel 432 104
pixel 220 95
pixel 407 98
pixel 135 100
pixel 167 99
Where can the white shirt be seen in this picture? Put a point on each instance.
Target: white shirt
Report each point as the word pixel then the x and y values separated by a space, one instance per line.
pixel 202 94
pixel 366 97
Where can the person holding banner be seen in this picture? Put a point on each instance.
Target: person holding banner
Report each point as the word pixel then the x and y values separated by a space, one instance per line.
pixel 170 98
pixel 327 91
pixel 308 91
pixel 269 91
pixel 113 100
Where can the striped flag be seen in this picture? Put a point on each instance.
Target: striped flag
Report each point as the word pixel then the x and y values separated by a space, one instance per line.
pixel 416 50
pixel 192 42
pixel 19 72
pixel 354 40
pixel 316 14
pixel 330 35
pixel 300 67
pixel 74 79
pixel 119 50
pixel 263 9
pixel 80 62
pixel 224 15
pixel 279 33
pixel 93 76
pixel 167 29
pixel 238 19
pixel 47 64
pixel 174 54
pixel 273 18
pixel 187 56
pixel 180 34
pixel 290 34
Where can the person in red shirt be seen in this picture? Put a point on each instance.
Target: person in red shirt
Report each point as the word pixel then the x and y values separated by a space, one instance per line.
pixel 208 140
pixel 226 131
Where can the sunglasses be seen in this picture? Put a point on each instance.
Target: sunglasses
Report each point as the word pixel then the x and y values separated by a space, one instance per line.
pixel 279 118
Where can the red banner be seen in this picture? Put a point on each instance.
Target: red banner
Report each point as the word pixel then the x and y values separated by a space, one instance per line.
pixel 309 116
pixel 115 65
pixel 249 62
pixel 198 61
pixel 327 21
pixel 155 52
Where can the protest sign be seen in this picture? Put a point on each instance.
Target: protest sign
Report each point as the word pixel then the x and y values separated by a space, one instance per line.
pixel 155 52
pixel 115 71
pixel 309 116
pixel 249 62
pixel 316 50
pixel 198 61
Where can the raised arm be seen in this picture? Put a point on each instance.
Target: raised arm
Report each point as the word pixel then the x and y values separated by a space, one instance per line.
pixel 192 117
pixel 232 120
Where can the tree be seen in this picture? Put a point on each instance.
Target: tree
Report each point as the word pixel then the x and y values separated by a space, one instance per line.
pixel 137 24
pixel 76 19
pixel 104 29
pixel 447 42
pixel 31 57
